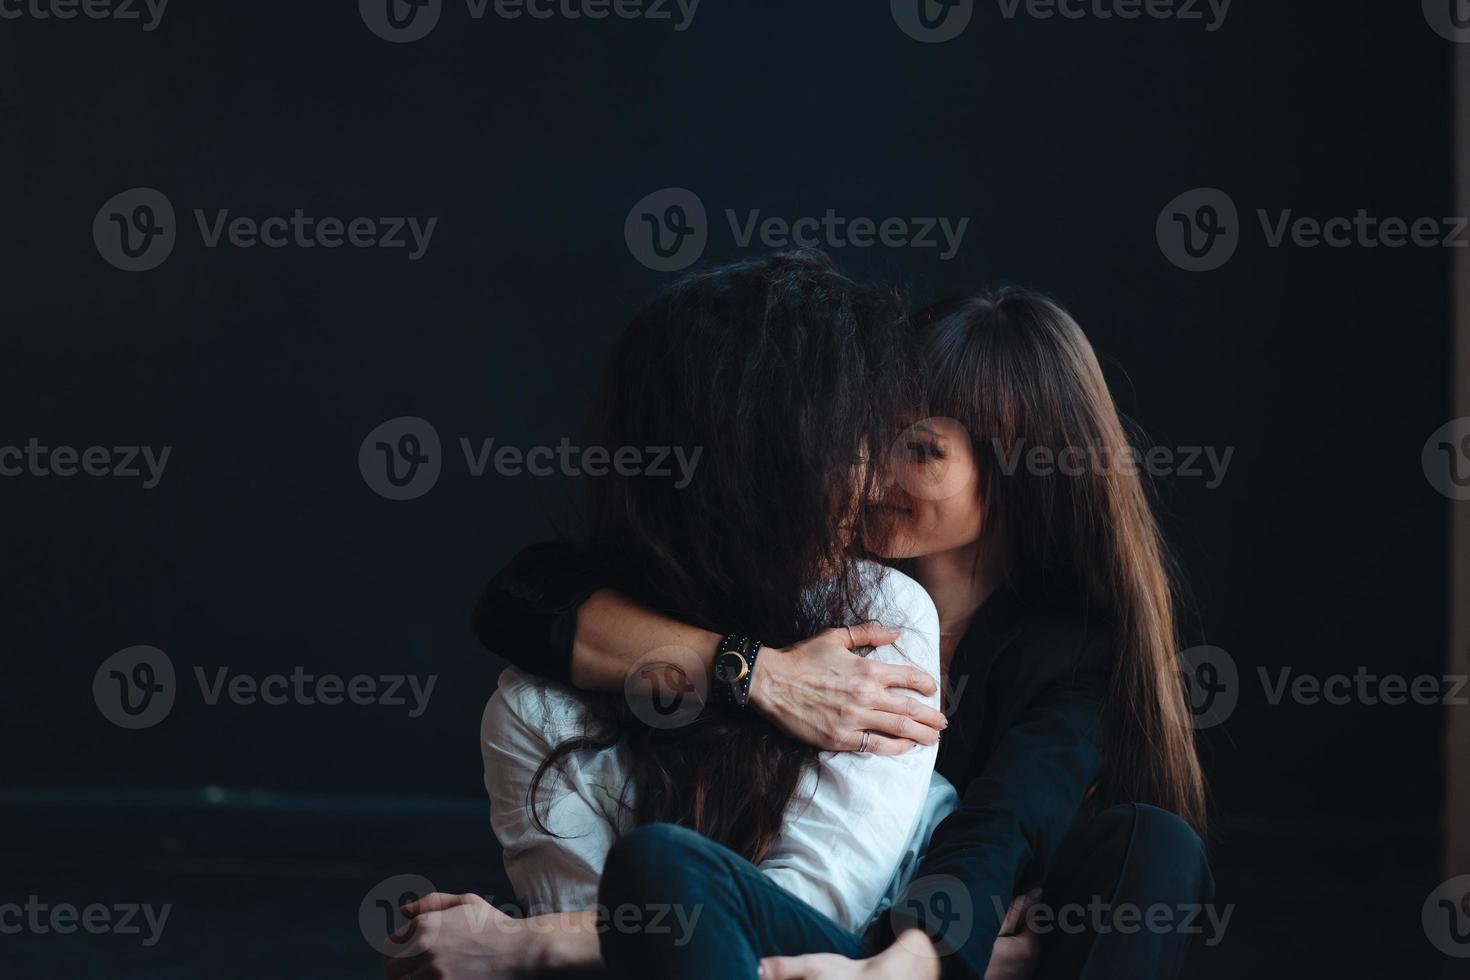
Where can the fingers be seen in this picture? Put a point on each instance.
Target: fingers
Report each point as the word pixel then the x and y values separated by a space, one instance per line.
pixel 904 678
pixel 434 902
pixel 915 710
pixel 883 745
pixel 794 967
pixel 866 635
pixel 895 726
pixel 1018 907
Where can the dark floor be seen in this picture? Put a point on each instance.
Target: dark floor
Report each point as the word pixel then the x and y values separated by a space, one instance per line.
pixel 1341 904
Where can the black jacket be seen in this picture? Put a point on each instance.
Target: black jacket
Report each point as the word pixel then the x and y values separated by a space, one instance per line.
pixel 1025 698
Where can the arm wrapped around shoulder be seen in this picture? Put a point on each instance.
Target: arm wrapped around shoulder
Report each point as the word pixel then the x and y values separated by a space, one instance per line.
pixel 527 613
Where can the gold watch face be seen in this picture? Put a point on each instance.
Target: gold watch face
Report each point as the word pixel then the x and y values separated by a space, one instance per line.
pixel 731 667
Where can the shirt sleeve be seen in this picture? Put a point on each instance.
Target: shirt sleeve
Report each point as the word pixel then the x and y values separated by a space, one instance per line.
pixel 850 826
pixel 527 613
pixel 557 872
pixel 1012 817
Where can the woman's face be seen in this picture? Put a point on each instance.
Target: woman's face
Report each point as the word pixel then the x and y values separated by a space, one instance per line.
pixel 933 490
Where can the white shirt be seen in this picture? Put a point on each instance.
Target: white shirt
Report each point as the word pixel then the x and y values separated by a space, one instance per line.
pixel 850 823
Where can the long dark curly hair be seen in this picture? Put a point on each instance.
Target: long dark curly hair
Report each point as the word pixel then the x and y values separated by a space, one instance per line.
pixel 787 375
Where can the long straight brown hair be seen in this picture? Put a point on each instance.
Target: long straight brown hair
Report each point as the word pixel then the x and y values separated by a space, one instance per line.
pixel 1017 372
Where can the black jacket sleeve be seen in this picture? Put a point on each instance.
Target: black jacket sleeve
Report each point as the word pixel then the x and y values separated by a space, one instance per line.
pixel 1013 815
pixel 527 613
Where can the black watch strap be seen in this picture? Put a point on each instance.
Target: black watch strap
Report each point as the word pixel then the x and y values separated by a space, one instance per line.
pixel 734 668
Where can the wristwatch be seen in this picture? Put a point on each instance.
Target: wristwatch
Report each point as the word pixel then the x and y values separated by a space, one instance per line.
pixel 734 664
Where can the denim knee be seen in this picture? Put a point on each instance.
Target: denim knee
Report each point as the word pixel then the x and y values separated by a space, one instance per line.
pixel 1165 844
pixel 652 863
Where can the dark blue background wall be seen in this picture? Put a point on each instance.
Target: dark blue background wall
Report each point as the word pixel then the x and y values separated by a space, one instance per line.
pixel 262 548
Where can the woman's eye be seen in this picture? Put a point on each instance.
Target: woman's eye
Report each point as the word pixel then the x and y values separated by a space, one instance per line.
pixel 922 452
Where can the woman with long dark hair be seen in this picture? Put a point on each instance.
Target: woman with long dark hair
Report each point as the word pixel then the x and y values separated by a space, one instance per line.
pixel 782 372
pixel 778 375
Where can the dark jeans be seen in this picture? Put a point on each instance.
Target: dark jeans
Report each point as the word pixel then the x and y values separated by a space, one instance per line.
pixel 1126 857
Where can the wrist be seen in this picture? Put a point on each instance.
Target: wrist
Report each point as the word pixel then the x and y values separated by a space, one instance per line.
pixel 919 956
pixel 762 678
pixel 539 950
pixel 733 673
pixel 558 941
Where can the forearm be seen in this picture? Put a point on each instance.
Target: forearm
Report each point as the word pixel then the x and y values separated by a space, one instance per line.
pixel 614 634
pixel 549 613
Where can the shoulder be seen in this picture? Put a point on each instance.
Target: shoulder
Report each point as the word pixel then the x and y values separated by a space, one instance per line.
pixel 527 706
pixel 895 599
pixel 898 601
